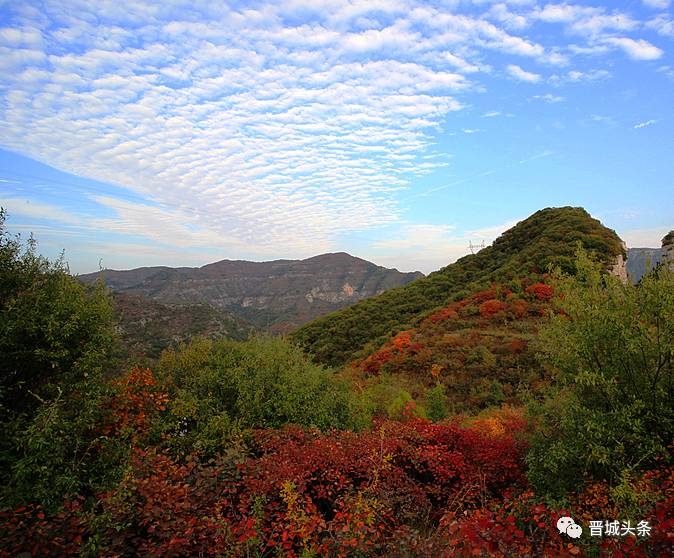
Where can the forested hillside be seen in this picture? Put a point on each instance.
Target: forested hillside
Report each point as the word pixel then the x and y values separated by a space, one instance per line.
pixel 548 237
pixel 147 327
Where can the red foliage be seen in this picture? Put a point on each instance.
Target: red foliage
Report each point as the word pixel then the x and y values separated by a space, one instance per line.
pixel 483 296
pixel 29 529
pixel 519 307
pixel 491 307
pixel 412 488
pixel 517 346
pixel 401 341
pixel 138 397
pixel 540 290
pixel 448 313
pixel 174 509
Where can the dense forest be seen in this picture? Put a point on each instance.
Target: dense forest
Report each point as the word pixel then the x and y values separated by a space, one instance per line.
pixel 463 414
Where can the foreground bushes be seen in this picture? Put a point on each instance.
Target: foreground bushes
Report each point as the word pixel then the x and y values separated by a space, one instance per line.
pixel 221 389
pixel 612 349
pixel 301 493
pixel 404 489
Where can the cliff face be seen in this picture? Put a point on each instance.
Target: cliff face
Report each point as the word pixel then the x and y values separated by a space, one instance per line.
pixel 277 295
pixel 640 261
pixel 619 267
pixel 668 250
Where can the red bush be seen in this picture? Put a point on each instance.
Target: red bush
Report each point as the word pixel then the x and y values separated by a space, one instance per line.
pixel 540 290
pixel 30 529
pixel 491 307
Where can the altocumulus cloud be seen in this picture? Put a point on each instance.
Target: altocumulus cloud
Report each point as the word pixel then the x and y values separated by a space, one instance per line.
pixel 259 124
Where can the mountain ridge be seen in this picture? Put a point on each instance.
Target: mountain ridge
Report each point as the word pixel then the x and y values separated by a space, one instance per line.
pixel 277 295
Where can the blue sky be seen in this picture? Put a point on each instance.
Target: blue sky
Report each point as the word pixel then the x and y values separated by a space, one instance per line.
pixel 180 133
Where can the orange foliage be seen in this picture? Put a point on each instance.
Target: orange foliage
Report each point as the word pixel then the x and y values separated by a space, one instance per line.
pixel 540 290
pixel 482 296
pixel 448 313
pixel 491 307
pixel 138 397
pixel 402 341
pixel 519 307
pixel 517 346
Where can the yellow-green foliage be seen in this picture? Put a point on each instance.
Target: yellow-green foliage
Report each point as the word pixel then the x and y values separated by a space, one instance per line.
pixel 220 388
pixel 613 351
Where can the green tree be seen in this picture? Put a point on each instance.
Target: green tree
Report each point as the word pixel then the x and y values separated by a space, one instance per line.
pixel 611 347
pixel 436 403
pixel 55 337
pixel 53 329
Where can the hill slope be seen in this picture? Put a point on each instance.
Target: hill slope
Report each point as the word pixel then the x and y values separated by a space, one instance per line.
pixel 481 348
pixel 277 295
pixel 549 236
pixel 146 327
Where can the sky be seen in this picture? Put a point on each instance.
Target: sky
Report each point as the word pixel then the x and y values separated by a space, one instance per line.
pixel 401 131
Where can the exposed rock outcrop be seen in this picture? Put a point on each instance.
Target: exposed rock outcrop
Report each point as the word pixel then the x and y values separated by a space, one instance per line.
pixel 619 267
pixel 640 261
pixel 668 250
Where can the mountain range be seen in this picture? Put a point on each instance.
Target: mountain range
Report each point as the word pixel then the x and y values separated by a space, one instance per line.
pixel 275 296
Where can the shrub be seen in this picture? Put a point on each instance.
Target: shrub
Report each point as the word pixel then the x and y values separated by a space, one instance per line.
pixel 55 337
pixel 218 388
pixel 612 348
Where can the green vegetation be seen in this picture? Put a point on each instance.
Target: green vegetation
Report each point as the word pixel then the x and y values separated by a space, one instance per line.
pixel 221 388
pixel 612 347
pixel 546 238
pixel 55 338
pixel 147 327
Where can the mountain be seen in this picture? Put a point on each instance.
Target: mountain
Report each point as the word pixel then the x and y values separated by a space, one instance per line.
pixel 549 236
pixel 641 260
pixel 146 327
pixel 277 296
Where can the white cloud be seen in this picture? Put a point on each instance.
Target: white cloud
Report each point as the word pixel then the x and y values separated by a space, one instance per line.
pixel 662 24
pixel 522 75
pixel 638 49
pixel 644 124
pixel 274 124
pixel 549 98
pixel 603 119
pixel 576 76
pixel 26 207
pixel 644 238
pixel 657 4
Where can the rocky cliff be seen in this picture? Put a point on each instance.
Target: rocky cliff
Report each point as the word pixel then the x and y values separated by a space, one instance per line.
pixel 277 295
pixel 640 261
pixel 668 250
pixel 619 267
